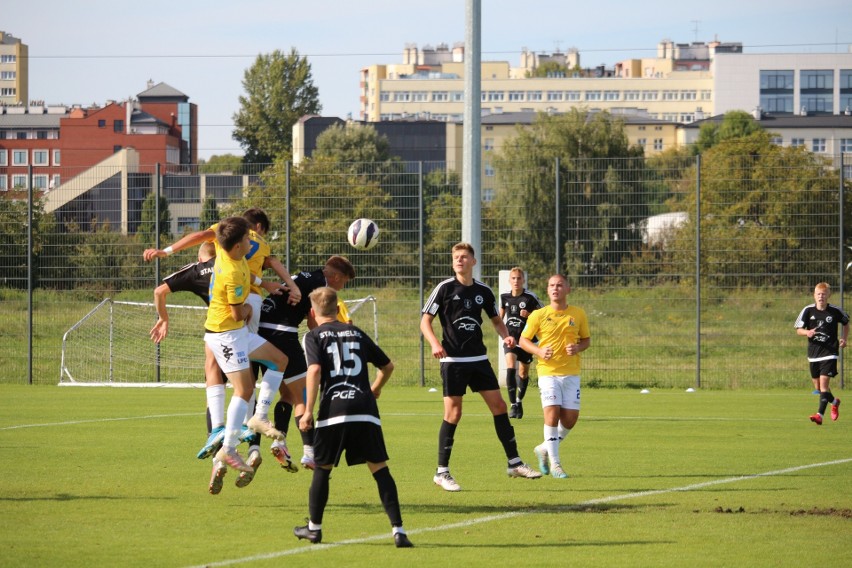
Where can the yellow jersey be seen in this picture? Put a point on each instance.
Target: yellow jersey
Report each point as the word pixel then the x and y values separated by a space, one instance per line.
pixel 255 257
pixel 229 285
pixel 558 329
pixel 342 311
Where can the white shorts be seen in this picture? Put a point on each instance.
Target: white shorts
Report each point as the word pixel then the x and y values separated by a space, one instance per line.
pixel 255 301
pixel 232 348
pixel 560 390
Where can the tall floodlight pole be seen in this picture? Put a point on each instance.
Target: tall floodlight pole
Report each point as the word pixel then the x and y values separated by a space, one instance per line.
pixel 472 151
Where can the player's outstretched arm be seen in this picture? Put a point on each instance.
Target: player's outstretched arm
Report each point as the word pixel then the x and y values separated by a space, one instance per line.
pixel 284 275
pixel 161 328
pixel 187 241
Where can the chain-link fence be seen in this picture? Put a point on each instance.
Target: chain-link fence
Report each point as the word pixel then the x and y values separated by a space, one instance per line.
pixel 692 271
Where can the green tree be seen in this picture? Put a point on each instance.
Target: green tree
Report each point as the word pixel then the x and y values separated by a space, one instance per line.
pixel 147 227
pixel 279 91
pixel 764 208
pixel 735 124
pixel 209 212
pixel 602 194
pixel 224 163
pixel 352 144
pixel 549 69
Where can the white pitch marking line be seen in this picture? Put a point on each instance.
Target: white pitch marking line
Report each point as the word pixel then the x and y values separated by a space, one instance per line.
pixel 96 420
pixel 321 547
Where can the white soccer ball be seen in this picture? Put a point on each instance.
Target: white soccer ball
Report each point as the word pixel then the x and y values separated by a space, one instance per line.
pixel 363 234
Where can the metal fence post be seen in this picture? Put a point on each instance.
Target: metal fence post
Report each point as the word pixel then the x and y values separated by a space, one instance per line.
pixel 840 254
pixel 421 260
pixel 287 215
pixel 558 253
pixel 698 271
pixel 30 259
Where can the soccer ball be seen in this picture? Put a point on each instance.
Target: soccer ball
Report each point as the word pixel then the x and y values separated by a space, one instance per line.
pixel 363 234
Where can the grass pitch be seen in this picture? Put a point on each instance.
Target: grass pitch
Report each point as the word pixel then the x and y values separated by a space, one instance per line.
pixel 108 477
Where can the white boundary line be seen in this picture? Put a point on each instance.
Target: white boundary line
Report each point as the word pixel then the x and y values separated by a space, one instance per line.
pixel 315 548
pixel 98 420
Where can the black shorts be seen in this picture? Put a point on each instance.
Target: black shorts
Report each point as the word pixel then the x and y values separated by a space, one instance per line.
pixel 523 356
pixel 362 441
pixel 289 345
pixel 827 368
pixel 478 375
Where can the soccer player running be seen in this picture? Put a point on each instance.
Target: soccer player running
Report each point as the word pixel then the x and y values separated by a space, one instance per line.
pixel 230 341
pixel 279 324
pixel 348 418
pixel 515 307
pixel 819 322
pixel 459 302
pixel 563 333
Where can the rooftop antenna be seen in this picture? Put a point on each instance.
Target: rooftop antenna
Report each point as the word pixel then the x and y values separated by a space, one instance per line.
pixel 695 28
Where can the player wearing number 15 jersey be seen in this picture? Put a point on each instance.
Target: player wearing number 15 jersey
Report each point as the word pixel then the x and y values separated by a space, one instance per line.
pixel 338 355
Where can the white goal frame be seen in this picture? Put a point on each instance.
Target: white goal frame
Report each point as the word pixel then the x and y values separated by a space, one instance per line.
pixel 108 348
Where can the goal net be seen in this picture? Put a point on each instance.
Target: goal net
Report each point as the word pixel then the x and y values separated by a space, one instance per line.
pixel 110 345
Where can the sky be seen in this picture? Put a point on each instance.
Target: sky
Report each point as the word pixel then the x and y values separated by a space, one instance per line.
pixel 91 51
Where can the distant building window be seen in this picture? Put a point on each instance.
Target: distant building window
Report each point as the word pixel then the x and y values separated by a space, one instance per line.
pixel 19 182
pixel 118 126
pixel 188 223
pixel 21 135
pixel 3 182
pixel 457 96
pixel 101 123
pixel 670 95
pixel 776 91
pixel 40 182
pixel 777 140
pixel 612 95
pixel 573 96
pixel 516 96
pixel 706 95
pixel 632 95
pixel 650 95
pixel 55 182
pixel 4 157
pixel 41 134
pixel 534 95
pixel 489 170
pixel 555 95
pixel 8 58
pixel 116 149
pixel 19 158
pixel 2 134
pixel 40 157
pixel 8 92
pixel 7 75
pixel 489 144
pixel 846 145
pixel 688 95
pixel 420 96
pixel 487 195
pixel 818 145
pixel 440 96
pixel 56 156
pixel 642 142
pixel 384 97
pixel 593 95
pixel 797 142
pixel 658 143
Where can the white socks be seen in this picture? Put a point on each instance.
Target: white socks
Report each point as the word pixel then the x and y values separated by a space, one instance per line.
pixel 268 390
pixel 216 405
pixel 237 410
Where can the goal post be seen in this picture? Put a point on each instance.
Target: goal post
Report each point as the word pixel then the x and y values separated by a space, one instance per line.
pixel 110 345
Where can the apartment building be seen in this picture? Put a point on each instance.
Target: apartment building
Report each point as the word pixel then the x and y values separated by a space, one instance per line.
pixel 14 70
pixel 676 86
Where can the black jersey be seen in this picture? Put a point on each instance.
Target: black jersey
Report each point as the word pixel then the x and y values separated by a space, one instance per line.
pixel 343 352
pixel 460 308
pixel 193 278
pixel 512 306
pixel 824 344
pixel 278 316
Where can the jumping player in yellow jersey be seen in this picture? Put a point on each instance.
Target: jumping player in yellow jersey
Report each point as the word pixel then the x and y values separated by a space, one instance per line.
pixel 258 258
pixel 230 341
pixel 563 333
